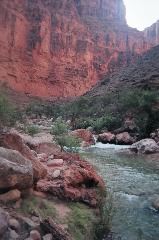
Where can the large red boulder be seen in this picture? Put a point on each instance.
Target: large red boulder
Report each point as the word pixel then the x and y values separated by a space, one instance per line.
pixel 84 135
pixel 77 181
pixel 106 137
pixel 15 142
pixel 124 139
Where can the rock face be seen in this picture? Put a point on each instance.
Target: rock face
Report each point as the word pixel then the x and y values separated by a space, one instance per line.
pixel 144 73
pixel 152 33
pixel 62 48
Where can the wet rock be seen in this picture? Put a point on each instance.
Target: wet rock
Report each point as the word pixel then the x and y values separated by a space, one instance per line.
pixel 11 196
pixel 84 135
pixel 16 171
pixel 4 222
pixel 145 146
pixel 106 137
pixel 124 139
pixel 155 135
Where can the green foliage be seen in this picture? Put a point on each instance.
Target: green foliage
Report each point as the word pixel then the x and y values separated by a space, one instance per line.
pixel 60 130
pixel 108 111
pixel 60 127
pixel 106 215
pixel 32 130
pixel 81 222
pixel 8 113
pixel 42 207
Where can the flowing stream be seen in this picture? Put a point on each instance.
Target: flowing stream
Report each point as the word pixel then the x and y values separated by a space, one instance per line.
pixel 133 181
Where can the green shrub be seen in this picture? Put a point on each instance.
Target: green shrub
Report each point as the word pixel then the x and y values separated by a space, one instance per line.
pixel 60 127
pixel 32 130
pixel 60 130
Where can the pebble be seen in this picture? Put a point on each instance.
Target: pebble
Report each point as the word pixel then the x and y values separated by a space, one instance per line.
pixel 56 173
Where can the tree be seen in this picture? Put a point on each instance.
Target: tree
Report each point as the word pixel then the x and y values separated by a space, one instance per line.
pixel 60 131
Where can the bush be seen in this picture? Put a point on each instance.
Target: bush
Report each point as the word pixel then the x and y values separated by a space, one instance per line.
pixel 60 130
pixel 32 130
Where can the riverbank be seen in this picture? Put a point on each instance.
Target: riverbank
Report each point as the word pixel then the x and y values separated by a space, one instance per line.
pixel 46 191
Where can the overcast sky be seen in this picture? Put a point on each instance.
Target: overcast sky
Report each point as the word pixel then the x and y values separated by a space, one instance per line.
pixel 142 13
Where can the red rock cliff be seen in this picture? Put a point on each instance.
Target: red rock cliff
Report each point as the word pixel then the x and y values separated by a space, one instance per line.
pixel 61 48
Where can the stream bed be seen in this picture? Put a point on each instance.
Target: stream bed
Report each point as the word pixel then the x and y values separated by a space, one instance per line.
pixel 134 183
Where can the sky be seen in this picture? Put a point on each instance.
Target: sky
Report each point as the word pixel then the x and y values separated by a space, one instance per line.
pixel 142 13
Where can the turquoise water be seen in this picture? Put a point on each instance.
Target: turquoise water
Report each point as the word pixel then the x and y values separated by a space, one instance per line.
pixel 134 181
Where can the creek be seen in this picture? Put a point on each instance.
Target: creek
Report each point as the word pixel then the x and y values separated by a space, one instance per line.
pixel 133 181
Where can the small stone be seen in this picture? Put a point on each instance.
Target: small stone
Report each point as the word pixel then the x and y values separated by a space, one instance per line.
pixel 14 224
pixel 55 163
pixel 51 157
pixel 35 235
pixel 56 173
pixel 48 237
pixel 11 196
pixel 13 235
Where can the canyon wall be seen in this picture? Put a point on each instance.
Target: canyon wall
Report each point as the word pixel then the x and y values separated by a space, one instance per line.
pixel 61 48
pixel 152 33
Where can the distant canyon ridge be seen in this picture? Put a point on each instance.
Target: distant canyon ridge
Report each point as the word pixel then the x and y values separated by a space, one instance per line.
pixel 62 48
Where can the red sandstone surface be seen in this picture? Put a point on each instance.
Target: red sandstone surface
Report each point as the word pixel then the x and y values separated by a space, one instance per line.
pixel 61 48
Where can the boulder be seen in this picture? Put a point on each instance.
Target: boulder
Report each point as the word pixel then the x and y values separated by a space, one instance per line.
pixel 4 222
pixel 124 139
pixel 78 181
pixel 16 171
pixel 15 142
pixel 145 146
pixel 84 135
pixel 155 135
pixel 106 137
